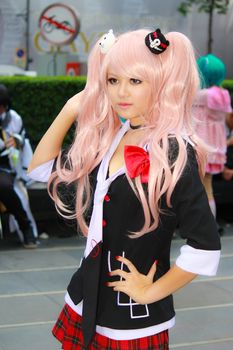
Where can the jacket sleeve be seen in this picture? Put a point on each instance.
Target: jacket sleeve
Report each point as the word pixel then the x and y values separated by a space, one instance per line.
pixel 196 222
pixel 42 172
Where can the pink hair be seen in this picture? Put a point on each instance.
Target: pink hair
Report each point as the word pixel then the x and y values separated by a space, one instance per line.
pixel 174 83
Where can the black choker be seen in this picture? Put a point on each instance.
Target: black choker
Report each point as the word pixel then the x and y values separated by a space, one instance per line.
pixel 135 127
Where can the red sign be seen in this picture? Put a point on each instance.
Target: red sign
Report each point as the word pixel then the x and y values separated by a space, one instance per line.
pixel 59 24
pixel 72 68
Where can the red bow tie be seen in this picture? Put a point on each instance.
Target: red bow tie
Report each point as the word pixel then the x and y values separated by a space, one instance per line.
pixel 137 162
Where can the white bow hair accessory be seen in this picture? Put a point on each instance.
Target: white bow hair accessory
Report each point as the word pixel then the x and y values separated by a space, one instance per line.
pixel 107 41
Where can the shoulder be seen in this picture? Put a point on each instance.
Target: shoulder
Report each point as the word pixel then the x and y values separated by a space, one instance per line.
pixel 219 99
pixel 73 104
pixel 15 121
pixel 174 149
pixel 15 116
pixel 201 97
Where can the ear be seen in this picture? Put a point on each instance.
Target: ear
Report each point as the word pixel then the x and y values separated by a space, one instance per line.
pixel 158 30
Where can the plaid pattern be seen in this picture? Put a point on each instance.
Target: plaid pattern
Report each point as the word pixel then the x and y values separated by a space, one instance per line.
pixel 68 331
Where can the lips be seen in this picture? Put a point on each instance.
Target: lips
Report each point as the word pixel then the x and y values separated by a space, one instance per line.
pixel 124 105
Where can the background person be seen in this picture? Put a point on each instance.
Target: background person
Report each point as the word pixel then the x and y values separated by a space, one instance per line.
pixel 14 157
pixel 212 104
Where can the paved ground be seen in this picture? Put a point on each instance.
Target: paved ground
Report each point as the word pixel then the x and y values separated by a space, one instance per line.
pixel 32 287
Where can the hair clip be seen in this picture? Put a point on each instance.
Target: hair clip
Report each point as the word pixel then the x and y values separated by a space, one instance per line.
pixel 107 41
pixel 156 42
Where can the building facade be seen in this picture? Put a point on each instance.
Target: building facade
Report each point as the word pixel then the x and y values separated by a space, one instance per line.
pixel 18 32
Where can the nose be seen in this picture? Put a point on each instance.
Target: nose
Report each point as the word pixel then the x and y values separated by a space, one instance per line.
pixel 123 89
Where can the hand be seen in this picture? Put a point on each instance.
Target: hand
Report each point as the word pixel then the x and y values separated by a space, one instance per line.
pixel 227 174
pixel 10 142
pixel 134 284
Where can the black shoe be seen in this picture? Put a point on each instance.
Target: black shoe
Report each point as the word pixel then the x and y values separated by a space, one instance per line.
pixel 30 241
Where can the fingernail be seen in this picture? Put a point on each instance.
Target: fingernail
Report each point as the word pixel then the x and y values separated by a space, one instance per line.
pixel 117 257
pixel 109 273
pixel 156 262
pixel 107 284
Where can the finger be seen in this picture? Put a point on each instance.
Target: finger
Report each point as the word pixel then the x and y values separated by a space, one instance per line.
pixel 116 284
pixel 121 289
pixel 119 272
pixel 152 270
pixel 128 263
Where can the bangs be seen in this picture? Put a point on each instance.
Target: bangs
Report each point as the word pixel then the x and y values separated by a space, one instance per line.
pixel 130 57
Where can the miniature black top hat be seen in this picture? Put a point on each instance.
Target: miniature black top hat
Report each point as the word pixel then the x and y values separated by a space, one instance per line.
pixel 156 42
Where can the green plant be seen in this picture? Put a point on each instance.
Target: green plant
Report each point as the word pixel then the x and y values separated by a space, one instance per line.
pixel 38 100
pixel 206 6
pixel 228 84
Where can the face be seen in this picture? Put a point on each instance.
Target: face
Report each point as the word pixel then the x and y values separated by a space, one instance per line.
pixel 129 96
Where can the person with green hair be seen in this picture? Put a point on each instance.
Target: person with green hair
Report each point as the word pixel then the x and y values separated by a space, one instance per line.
pixel 212 70
pixel 211 106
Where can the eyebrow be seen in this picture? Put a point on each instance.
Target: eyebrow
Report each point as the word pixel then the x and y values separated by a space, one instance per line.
pixel 112 74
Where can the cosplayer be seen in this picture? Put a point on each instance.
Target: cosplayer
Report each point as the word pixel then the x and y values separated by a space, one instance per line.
pixel 15 153
pixel 211 107
pixel 134 183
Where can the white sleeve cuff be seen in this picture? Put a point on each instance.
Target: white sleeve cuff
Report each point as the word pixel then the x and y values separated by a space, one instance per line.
pixel 42 172
pixel 201 262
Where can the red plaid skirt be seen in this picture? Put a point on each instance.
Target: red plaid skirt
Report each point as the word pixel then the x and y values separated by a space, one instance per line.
pixel 68 330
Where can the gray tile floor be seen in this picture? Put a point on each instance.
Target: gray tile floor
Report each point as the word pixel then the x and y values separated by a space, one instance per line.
pixel 32 287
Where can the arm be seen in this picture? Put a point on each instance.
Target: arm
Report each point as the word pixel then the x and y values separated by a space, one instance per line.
pixel 8 141
pixel 50 144
pixel 169 283
pixel 13 134
pixel 12 141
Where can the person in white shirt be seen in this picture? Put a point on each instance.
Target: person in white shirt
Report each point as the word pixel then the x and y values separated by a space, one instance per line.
pixel 13 147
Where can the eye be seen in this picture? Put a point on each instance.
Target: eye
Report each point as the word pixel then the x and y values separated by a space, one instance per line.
pixel 112 81
pixel 135 81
